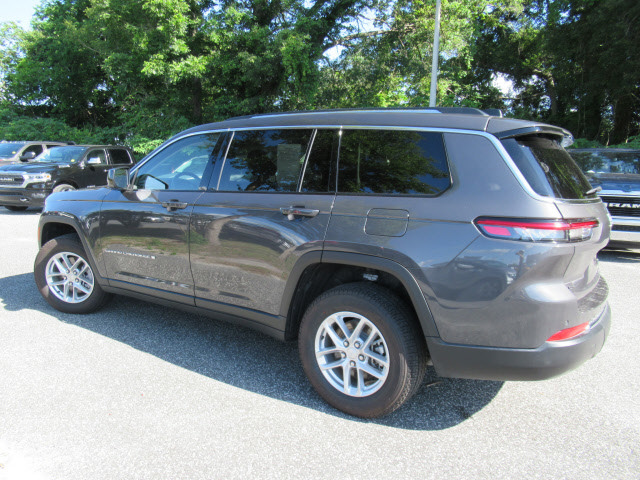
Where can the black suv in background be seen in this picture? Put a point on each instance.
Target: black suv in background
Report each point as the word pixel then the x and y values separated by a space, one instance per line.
pixel 24 185
pixel 379 239
pixel 617 172
pixel 11 152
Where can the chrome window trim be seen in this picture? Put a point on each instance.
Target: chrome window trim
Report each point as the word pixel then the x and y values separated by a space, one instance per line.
pixel 489 136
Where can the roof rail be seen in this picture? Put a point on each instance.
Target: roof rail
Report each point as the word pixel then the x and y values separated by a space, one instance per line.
pixel 494 112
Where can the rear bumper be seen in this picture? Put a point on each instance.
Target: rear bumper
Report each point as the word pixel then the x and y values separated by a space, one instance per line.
pixel 23 197
pixel 493 363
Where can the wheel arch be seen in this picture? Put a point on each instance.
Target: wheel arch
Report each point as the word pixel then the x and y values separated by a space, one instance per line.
pixel 66 181
pixel 316 272
pixel 53 226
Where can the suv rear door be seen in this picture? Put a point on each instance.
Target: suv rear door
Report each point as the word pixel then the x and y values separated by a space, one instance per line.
pixel 267 205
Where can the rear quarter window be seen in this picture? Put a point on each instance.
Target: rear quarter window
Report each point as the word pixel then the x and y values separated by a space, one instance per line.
pixel 119 156
pixel 392 162
pixel 548 168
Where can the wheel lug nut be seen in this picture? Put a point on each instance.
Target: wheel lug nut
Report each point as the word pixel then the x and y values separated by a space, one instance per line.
pixel 344 355
pixel 353 364
pixel 361 358
pixel 357 345
pixel 346 344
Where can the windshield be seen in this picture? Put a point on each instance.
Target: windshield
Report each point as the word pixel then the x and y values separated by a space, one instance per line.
pixel 65 155
pixel 595 162
pixel 8 150
pixel 548 167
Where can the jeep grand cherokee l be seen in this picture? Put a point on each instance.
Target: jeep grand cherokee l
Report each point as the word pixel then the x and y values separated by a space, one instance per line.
pixel 56 170
pixel 379 239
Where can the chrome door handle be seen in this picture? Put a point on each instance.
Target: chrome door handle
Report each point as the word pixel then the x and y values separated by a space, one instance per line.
pixel 172 205
pixel 299 211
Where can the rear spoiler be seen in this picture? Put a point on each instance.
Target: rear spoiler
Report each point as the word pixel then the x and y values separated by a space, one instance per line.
pixel 564 135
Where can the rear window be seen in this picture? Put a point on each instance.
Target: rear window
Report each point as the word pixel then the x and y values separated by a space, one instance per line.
pixel 548 168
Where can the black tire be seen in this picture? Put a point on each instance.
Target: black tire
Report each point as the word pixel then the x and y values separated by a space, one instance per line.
pixel 15 208
pixel 405 352
pixel 63 187
pixel 70 247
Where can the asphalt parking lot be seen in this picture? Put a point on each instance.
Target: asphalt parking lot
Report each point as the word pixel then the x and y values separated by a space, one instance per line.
pixel 138 391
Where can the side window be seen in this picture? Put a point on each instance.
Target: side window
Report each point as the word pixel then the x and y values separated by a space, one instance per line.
pixel 97 157
pixel 119 156
pixel 320 172
pixel 180 166
pixel 37 149
pixel 265 161
pixel 392 162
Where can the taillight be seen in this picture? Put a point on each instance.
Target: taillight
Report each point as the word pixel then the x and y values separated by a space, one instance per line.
pixel 568 333
pixel 526 230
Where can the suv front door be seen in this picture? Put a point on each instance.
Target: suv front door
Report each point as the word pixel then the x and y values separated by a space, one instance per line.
pixel 268 204
pixel 144 230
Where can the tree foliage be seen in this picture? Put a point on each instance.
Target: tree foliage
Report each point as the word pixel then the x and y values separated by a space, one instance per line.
pixel 138 71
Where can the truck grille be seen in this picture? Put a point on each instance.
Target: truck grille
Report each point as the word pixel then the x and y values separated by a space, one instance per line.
pixel 623 206
pixel 11 180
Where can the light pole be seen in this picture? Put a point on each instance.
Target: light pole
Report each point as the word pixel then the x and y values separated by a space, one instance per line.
pixel 434 60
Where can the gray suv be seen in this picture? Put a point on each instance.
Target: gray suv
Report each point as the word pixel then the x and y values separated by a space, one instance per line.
pixel 380 240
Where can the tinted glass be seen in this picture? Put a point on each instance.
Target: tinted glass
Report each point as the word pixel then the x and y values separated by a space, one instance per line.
pixel 63 155
pixel 392 162
pixel 265 161
pixel 37 149
pixel 119 156
pixel 547 167
pixel 319 173
pixel 180 166
pixel 10 149
pixel 97 157
pixel 599 161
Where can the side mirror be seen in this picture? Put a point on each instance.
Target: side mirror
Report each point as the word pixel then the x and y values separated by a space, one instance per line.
pixel 118 178
pixel 28 156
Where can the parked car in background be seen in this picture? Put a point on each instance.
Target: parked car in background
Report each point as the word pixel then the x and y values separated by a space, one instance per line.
pixel 24 185
pixel 11 152
pixel 379 239
pixel 617 172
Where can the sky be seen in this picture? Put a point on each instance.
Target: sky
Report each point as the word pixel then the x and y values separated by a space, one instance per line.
pixel 19 11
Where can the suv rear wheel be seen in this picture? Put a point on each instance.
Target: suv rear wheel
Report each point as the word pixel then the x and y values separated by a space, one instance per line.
pixel 362 350
pixel 65 277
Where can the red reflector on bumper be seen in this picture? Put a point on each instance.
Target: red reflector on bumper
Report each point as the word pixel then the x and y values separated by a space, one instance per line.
pixel 568 333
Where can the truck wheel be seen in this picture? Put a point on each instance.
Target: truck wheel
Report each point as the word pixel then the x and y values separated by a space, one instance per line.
pixel 362 349
pixel 65 278
pixel 15 208
pixel 63 187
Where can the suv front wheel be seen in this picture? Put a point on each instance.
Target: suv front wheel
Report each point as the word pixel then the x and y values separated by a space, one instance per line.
pixel 65 277
pixel 362 350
